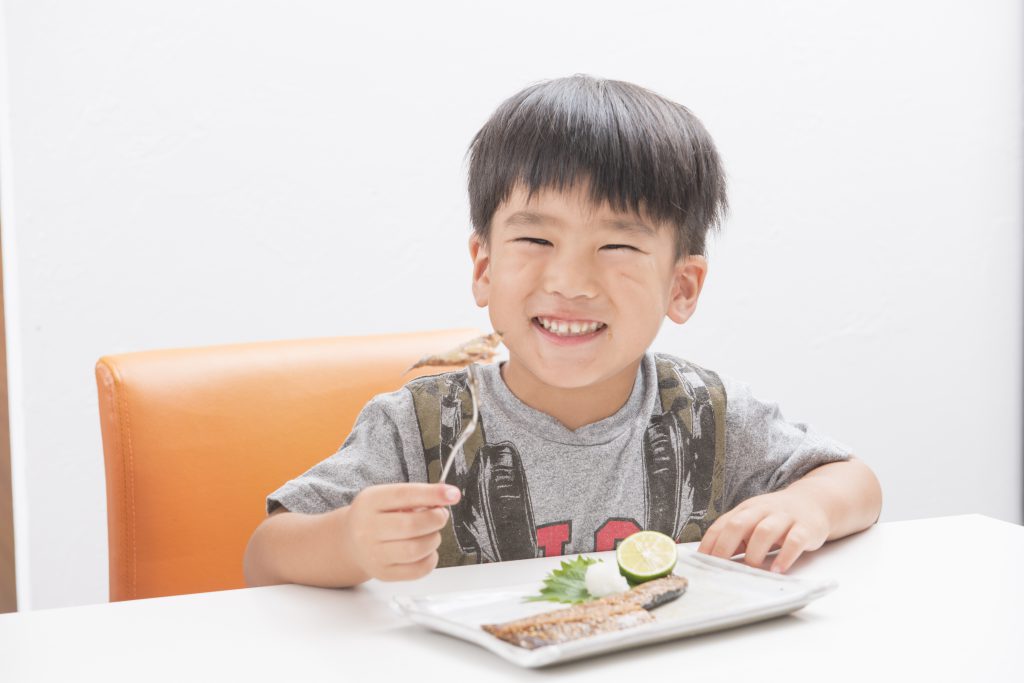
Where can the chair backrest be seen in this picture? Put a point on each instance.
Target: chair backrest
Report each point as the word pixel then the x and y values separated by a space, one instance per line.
pixel 194 440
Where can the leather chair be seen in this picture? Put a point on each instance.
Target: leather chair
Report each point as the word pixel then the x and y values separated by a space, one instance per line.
pixel 194 440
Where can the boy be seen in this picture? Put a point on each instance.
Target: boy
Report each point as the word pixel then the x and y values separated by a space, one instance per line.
pixel 590 202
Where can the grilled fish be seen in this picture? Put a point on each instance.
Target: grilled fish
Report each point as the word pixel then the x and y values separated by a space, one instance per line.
pixel 613 613
pixel 481 349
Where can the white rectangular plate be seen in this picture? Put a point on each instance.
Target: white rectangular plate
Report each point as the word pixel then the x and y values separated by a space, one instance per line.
pixel 721 594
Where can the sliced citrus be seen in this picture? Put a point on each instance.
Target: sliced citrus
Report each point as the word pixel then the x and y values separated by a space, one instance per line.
pixel 646 555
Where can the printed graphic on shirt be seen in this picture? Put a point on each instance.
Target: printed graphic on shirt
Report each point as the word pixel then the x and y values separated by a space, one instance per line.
pixel 679 455
pixel 609 534
pixel 682 460
pixel 496 511
pixel 553 538
pixel 451 426
pixel 442 408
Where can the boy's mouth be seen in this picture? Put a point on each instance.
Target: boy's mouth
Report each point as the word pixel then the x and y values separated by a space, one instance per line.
pixel 569 328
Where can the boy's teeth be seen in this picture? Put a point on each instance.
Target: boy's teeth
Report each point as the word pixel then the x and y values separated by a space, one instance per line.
pixel 564 329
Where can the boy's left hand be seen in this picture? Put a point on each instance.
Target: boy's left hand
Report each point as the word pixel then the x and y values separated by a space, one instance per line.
pixel 783 519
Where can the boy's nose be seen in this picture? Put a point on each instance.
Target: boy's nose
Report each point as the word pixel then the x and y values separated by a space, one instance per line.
pixel 570 276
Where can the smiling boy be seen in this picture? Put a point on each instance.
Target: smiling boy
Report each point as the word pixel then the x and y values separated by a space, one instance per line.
pixel 590 201
pixel 559 261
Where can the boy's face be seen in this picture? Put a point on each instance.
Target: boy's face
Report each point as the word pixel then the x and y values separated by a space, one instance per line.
pixel 559 260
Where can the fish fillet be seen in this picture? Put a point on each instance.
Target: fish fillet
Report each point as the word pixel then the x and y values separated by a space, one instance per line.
pixel 481 349
pixel 613 613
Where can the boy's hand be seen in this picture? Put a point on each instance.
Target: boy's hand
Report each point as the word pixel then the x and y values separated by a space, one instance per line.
pixel 393 530
pixel 784 519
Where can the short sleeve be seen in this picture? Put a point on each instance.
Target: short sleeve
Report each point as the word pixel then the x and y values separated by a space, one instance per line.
pixel 374 453
pixel 763 451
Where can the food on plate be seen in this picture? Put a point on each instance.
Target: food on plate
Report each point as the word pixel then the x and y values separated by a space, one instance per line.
pixel 604 579
pixel 481 349
pixel 568 583
pixel 655 593
pixel 600 594
pixel 643 556
pixel 613 613
pixel 646 555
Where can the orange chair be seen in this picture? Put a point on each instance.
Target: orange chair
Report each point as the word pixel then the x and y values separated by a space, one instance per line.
pixel 194 440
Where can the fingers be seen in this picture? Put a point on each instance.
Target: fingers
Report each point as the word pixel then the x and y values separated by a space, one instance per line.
pixel 707 542
pixel 394 497
pixel 757 539
pixel 786 520
pixel 408 551
pixel 768 534
pixel 393 529
pixel 797 541
pixel 408 572
pixel 409 559
pixel 397 526
pixel 729 535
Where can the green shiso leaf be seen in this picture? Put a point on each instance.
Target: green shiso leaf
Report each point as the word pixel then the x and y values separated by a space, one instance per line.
pixel 567 584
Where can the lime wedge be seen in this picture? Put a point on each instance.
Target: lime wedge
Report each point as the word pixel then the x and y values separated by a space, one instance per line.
pixel 646 555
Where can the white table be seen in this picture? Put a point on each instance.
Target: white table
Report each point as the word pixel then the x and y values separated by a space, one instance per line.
pixel 935 599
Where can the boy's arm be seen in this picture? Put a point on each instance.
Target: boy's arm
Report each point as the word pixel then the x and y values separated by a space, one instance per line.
pixel 829 502
pixel 389 532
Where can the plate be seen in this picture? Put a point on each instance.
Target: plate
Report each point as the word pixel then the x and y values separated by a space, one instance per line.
pixel 721 594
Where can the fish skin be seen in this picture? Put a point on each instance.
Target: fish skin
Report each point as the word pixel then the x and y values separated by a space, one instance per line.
pixel 480 349
pixel 613 613
pixel 651 594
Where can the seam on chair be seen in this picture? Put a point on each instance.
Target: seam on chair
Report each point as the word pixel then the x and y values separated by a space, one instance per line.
pixel 109 375
pixel 128 470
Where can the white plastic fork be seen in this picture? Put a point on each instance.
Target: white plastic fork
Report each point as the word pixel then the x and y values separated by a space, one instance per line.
pixel 470 428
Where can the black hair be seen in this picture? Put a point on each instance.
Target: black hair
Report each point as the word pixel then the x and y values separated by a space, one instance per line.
pixel 639 151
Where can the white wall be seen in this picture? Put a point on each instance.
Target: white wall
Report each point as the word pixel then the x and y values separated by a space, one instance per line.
pixel 198 172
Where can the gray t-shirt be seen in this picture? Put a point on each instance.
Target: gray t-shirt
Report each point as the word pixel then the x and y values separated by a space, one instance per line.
pixel 586 489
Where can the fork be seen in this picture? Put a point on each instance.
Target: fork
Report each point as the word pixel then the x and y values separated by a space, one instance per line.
pixel 470 428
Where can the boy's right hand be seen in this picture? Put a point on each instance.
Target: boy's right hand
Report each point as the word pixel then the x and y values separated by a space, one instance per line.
pixel 393 530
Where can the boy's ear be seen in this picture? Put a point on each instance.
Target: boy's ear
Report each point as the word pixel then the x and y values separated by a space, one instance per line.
pixel 481 256
pixel 687 281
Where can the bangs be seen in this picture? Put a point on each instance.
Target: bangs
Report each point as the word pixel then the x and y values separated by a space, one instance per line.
pixel 639 152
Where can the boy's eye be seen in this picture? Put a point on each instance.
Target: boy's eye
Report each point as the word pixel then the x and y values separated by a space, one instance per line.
pixel 620 247
pixel 533 240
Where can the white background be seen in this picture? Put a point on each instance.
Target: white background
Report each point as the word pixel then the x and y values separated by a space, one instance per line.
pixel 199 172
